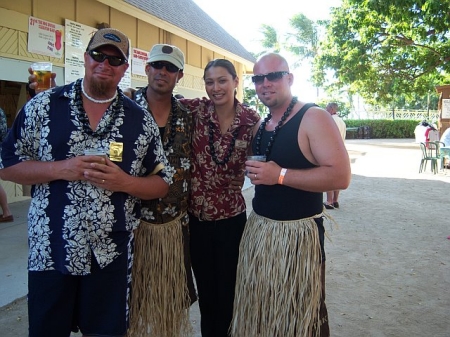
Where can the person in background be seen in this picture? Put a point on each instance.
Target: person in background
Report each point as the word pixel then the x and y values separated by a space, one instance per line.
pixel 85 208
pixel 223 130
pixel 445 138
pixel 280 286
pixel 6 215
pixel 333 196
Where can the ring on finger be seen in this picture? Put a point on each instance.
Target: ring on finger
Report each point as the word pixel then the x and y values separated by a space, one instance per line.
pixel 255 175
pixel 103 181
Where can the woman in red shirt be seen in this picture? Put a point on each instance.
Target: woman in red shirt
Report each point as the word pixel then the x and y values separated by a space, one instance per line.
pixel 223 129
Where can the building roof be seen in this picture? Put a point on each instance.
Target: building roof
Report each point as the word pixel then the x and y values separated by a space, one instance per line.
pixel 188 16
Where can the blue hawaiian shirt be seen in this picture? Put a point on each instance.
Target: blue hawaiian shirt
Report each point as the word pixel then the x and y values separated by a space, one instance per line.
pixel 70 222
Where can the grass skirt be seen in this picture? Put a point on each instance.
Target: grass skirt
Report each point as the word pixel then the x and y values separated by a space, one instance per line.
pixel 159 293
pixel 278 286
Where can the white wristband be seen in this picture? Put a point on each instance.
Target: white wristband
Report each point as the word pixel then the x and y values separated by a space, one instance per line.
pixel 281 177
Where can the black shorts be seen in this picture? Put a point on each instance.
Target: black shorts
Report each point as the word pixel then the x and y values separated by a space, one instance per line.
pixel 96 303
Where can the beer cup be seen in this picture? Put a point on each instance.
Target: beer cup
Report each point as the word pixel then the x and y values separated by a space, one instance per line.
pixel 43 73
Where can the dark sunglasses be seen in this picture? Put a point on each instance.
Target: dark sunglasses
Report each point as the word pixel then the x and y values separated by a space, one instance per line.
pixel 114 61
pixel 169 66
pixel 274 76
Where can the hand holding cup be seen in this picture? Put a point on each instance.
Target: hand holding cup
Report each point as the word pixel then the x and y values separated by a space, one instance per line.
pixel 38 84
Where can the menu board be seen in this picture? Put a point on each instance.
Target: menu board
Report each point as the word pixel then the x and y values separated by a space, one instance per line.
pixel 77 39
pixel 445 108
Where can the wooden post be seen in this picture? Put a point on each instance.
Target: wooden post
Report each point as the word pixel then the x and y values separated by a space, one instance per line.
pixel 444 120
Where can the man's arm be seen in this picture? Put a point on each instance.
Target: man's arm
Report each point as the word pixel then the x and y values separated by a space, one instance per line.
pixel 98 171
pixel 33 172
pixel 111 177
pixel 321 143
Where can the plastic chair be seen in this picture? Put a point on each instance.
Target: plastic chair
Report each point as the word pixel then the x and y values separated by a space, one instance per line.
pixel 429 153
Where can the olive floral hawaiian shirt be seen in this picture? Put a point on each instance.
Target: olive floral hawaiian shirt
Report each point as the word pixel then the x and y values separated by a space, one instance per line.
pixel 176 138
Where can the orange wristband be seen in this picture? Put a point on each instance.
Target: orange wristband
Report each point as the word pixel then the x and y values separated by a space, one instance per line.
pixel 281 177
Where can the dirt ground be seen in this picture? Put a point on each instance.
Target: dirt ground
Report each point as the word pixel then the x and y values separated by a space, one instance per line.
pixel 388 262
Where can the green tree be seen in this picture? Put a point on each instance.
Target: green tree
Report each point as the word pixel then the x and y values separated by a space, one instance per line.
pixel 384 50
pixel 251 99
pixel 270 41
pixel 304 39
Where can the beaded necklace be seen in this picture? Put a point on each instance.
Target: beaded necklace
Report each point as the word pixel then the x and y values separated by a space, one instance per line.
pixel 275 131
pixel 173 120
pixel 98 101
pixel 212 149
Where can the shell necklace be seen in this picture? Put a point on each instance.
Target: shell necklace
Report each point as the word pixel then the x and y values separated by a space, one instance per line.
pixel 98 101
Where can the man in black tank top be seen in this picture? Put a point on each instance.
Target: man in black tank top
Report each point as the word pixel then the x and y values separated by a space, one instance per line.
pixel 282 245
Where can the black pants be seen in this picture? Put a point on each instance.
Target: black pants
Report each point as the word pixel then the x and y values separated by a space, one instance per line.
pixel 214 254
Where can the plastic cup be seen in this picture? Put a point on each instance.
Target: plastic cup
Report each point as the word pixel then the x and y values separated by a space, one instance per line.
pixel 43 73
pixel 257 158
pixel 94 152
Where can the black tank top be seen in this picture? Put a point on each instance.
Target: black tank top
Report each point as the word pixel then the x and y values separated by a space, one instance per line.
pixel 280 202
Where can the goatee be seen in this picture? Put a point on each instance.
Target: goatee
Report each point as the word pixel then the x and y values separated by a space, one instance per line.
pixel 100 89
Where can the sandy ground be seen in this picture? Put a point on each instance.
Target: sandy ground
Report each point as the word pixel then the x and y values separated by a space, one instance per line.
pixel 388 261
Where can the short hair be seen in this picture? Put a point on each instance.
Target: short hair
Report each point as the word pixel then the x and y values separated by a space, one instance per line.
pixel 333 105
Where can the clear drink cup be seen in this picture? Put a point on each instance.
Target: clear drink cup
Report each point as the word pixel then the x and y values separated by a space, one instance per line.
pixel 43 73
pixel 95 152
pixel 257 158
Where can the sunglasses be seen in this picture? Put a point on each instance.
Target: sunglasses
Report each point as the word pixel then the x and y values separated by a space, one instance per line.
pixel 114 61
pixel 273 76
pixel 169 66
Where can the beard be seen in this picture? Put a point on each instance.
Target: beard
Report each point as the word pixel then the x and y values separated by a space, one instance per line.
pixel 101 88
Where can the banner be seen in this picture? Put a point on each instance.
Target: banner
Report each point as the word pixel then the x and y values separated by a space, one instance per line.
pixel 139 60
pixel 45 37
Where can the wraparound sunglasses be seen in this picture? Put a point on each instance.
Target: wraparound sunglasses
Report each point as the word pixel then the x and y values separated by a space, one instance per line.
pixel 273 76
pixel 114 61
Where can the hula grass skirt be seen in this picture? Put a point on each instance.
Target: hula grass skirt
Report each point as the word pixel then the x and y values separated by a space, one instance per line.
pixel 159 293
pixel 278 285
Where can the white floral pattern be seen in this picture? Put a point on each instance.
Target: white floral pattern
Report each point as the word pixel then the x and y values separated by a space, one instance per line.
pixel 70 221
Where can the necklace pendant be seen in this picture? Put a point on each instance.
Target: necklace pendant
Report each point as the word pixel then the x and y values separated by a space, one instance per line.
pixel 94 100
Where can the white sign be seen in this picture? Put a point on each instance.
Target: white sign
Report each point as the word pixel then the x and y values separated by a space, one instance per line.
pixel 45 37
pixel 445 108
pixel 139 61
pixel 77 40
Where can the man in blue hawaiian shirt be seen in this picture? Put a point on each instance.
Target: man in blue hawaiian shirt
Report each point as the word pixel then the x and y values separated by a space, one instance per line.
pixel 84 208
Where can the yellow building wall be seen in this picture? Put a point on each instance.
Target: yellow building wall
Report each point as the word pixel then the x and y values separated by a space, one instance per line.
pixel 142 33
pixel 14 15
